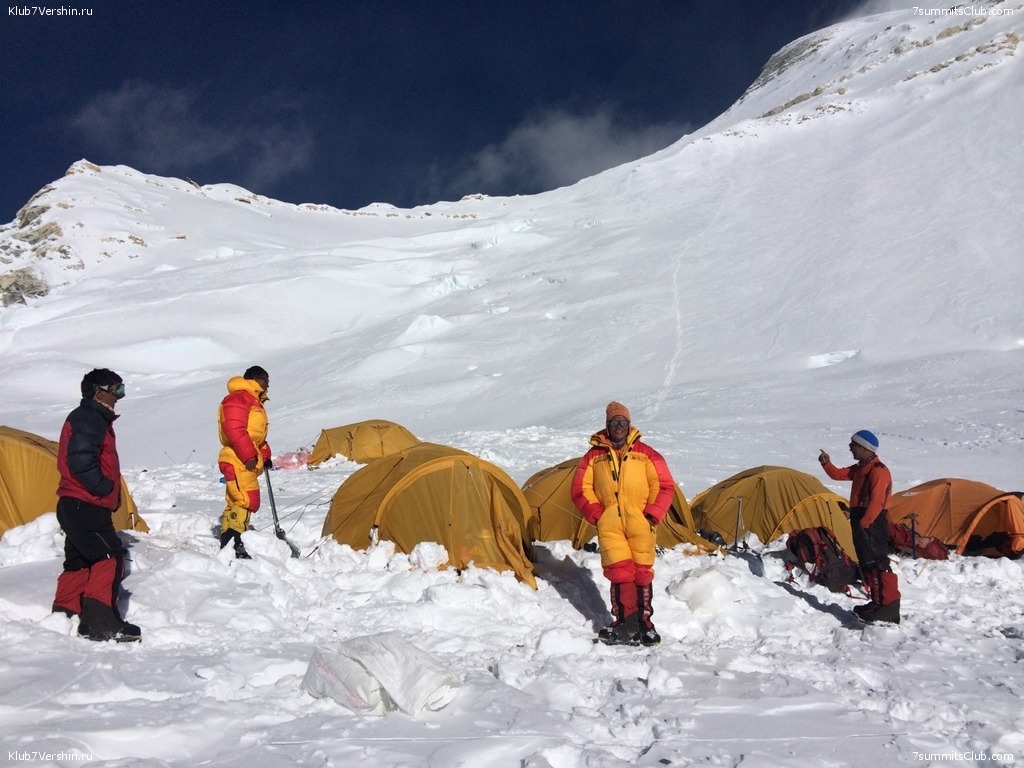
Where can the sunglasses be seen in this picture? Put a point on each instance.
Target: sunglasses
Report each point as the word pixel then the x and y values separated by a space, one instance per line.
pixel 618 422
pixel 117 390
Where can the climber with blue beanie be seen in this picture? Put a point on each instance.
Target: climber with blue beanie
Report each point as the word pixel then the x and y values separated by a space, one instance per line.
pixel 869 520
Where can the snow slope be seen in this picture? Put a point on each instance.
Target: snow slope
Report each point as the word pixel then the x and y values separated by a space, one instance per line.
pixel 841 249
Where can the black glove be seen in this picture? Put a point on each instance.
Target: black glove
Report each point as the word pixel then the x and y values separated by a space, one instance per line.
pixel 267 465
pixel 651 520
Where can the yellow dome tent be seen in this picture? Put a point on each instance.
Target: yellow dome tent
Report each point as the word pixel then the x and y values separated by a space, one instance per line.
pixel 363 441
pixel 440 494
pixel 957 511
pixel 554 516
pixel 776 500
pixel 28 483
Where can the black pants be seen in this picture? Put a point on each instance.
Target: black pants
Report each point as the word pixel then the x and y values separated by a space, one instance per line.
pixel 89 534
pixel 871 543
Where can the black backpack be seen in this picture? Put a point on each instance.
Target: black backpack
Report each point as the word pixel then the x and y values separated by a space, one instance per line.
pixel 818 554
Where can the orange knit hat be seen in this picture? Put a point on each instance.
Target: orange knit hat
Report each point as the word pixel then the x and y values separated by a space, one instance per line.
pixel 616 410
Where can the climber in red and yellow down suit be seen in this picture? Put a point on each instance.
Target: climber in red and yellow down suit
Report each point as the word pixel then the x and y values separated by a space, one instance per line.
pixel 624 487
pixel 242 423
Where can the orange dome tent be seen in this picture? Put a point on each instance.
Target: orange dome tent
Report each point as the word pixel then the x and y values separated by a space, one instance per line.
pixel 973 517
pixel 440 494
pixel 363 441
pixel 28 483
pixel 776 500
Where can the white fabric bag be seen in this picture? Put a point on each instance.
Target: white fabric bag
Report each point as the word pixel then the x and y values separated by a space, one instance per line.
pixel 374 674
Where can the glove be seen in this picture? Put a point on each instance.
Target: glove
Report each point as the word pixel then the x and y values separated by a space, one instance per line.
pixel 651 520
pixel 267 465
pixel 251 464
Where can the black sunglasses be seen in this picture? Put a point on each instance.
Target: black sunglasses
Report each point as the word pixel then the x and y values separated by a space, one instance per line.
pixel 618 422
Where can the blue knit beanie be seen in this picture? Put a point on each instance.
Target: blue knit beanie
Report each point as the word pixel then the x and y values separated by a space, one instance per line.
pixel 867 440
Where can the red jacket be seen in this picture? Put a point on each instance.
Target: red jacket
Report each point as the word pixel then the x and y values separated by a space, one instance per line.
pixel 87 457
pixel 872 486
pixel 242 421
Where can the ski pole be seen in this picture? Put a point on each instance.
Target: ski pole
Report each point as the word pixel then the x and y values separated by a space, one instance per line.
pixel 913 535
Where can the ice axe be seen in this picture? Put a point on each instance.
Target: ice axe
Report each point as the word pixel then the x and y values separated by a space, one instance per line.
pixel 278 531
pixel 754 559
pixel 739 521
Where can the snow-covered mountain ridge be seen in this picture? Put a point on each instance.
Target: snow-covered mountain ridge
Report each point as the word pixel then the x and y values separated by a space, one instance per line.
pixel 859 63
pixel 863 61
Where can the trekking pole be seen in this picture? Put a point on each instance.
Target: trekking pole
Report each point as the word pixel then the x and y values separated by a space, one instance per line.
pixel 278 531
pixel 739 519
pixel 913 535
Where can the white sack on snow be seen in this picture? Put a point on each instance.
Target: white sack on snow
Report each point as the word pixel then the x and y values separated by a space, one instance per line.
pixel 374 674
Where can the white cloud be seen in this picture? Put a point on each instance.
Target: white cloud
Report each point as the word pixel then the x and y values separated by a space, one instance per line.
pixel 558 148
pixel 162 130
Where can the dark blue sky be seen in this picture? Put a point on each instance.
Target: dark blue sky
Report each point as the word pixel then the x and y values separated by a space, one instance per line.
pixel 351 102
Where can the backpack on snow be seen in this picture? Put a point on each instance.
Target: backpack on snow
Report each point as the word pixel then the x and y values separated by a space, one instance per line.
pixel 906 542
pixel 818 554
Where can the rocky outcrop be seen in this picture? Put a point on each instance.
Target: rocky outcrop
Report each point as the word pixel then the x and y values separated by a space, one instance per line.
pixel 21 284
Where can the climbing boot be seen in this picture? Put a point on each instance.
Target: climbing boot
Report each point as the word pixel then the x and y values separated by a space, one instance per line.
pixel 100 622
pixel 236 537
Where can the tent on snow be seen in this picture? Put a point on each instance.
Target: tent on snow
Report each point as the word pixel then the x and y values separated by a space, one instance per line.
pixel 440 494
pixel 554 516
pixel 776 500
pixel 29 478
pixel 974 517
pixel 363 441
